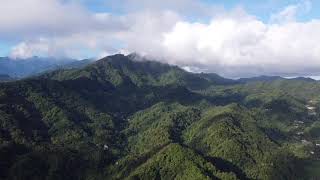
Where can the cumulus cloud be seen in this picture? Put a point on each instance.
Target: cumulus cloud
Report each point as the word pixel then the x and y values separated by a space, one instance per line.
pixel 232 43
pixel 78 45
pixel 290 12
pixel 141 27
pixel 24 50
pixel 237 44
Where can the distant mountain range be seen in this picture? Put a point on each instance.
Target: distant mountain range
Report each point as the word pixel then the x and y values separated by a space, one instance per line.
pixel 5 77
pixel 19 68
pixel 12 69
pixel 271 78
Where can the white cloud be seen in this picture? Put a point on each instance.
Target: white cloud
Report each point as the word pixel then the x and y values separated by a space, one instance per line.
pixel 231 43
pixel 286 15
pixel 142 27
pixel 24 50
pixel 289 13
pixel 79 45
pixel 235 44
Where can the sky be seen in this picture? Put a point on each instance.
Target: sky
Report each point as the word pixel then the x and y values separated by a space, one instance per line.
pixel 232 38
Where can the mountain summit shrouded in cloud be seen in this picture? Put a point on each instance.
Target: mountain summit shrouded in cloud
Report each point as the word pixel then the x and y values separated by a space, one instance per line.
pixel 233 39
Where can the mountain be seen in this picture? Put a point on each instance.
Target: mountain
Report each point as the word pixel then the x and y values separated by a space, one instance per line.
pixel 120 69
pixel 78 64
pixel 260 78
pixel 123 118
pixel 304 79
pixel 5 77
pixel 20 68
pixel 272 78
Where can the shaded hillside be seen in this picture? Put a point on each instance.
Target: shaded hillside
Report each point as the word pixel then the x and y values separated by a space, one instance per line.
pixel 120 69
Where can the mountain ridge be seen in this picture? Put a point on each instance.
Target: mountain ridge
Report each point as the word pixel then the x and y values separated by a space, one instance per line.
pixel 117 118
pixel 20 68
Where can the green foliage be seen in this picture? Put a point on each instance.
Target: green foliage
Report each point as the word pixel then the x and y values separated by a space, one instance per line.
pixel 176 162
pixel 231 133
pixel 124 119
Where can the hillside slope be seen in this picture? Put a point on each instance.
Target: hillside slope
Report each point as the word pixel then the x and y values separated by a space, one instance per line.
pixel 124 119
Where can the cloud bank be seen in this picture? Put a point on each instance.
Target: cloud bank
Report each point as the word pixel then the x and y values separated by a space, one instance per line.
pixel 232 43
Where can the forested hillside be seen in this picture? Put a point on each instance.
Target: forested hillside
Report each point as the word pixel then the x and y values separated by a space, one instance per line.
pixel 118 118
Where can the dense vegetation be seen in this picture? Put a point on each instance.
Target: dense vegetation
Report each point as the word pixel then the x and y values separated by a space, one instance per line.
pixel 124 119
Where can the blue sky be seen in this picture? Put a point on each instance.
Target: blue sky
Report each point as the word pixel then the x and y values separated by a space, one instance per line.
pixel 4 49
pixel 260 8
pixel 233 38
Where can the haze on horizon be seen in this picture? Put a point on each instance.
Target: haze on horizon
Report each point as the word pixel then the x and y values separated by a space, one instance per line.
pixel 234 39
